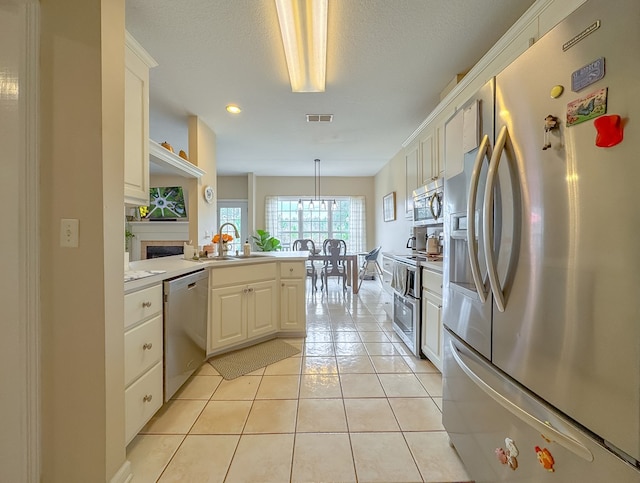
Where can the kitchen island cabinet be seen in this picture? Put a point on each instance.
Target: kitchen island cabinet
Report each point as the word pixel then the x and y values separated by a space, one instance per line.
pixel 242 305
pixel 292 298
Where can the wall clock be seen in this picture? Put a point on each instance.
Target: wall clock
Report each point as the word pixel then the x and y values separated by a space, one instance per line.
pixel 208 194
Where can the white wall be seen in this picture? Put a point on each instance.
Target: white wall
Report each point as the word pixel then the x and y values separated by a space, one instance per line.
pixel 82 295
pixel 233 188
pixel 392 235
pixel 18 261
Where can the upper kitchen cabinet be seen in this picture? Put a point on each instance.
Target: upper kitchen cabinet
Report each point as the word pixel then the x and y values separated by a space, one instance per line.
pixel 412 175
pixel 431 162
pixel 136 122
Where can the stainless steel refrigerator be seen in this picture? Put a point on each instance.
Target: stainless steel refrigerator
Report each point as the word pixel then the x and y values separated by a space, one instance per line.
pixel 542 259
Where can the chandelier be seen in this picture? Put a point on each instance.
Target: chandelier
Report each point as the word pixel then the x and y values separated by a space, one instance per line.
pixel 316 187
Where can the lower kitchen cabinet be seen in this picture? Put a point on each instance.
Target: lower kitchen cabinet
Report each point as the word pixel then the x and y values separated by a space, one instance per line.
pixel 242 305
pixel 143 357
pixel 292 298
pixel 431 337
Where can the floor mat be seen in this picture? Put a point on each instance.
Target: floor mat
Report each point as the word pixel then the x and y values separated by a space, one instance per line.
pixel 244 361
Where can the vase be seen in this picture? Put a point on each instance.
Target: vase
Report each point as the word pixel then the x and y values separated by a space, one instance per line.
pixel 225 248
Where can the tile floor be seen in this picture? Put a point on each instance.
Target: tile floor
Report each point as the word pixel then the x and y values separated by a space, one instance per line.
pixel 353 406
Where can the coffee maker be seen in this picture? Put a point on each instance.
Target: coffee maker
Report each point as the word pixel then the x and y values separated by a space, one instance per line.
pixel 418 241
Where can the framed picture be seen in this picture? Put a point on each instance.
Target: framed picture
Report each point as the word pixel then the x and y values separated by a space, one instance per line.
pixel 389 206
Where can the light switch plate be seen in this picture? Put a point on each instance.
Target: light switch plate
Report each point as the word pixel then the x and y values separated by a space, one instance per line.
pixel 69 228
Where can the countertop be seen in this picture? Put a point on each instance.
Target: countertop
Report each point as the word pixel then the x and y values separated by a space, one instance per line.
pixel 176 265
pixel 431 265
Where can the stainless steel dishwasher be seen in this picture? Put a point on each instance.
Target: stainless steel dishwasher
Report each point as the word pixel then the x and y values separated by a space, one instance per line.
pixel 185 328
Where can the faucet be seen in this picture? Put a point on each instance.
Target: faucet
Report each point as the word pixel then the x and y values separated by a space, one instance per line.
pixel 235 229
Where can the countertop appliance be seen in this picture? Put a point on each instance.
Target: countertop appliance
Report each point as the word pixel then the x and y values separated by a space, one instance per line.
pixel 427 204
pixel 406 285
pixel 542 339
pixel 185 328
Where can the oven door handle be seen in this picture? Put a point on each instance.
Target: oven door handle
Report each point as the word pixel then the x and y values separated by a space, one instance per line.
pixel 400 279
pixel 472 247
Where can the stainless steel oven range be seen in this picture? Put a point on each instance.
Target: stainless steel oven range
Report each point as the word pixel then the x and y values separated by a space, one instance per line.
pixel 406 301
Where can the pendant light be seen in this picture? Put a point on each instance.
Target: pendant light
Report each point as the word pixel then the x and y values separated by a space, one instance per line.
pixel 316 189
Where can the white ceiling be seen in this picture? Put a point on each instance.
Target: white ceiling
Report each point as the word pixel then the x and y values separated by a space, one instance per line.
pixel 387 62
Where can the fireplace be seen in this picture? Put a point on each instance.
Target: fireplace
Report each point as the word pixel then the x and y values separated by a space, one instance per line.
pixel 157 249
pixel 156 239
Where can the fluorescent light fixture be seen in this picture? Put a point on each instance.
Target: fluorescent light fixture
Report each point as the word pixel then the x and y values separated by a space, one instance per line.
pixel 303 25
pixel 233 109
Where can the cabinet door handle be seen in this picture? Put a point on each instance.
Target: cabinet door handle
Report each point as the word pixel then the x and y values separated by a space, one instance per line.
pixel 147 346
pixel 291 269
pixel 250 289
pixel 147 398
pixel 146 304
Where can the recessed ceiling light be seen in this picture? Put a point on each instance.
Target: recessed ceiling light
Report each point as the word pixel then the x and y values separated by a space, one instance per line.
pixel 233 109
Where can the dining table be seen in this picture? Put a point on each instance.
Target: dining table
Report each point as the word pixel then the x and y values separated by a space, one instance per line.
pixel 351 260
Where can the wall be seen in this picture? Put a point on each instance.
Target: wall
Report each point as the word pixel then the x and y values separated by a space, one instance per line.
pixel 19 239
pixel 202 152
pixel 330 186
pixel 392 235
pixel 233 188
pixel 82 305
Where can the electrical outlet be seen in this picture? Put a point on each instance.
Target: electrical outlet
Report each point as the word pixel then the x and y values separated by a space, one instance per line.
pixel 69 228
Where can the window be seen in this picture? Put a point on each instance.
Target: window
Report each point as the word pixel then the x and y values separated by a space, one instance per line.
pixel 234 211
pixel 346 221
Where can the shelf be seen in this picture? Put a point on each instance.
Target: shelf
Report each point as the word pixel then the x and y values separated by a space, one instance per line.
pixel 164 162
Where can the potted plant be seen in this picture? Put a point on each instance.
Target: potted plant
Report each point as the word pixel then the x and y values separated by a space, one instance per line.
pixel 265 242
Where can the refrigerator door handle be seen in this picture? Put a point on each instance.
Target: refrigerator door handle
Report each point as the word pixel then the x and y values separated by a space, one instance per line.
pixel 487 214
pixel 484 150
pixel 549 432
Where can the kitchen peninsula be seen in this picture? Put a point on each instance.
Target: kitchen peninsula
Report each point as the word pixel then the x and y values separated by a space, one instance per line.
pixel 248 300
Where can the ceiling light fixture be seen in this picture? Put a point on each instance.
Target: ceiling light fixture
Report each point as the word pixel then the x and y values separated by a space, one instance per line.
pixel 303 26
pixel 233 109
pixel 316 188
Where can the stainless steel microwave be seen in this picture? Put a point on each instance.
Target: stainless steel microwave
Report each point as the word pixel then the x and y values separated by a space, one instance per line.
pixel 428 204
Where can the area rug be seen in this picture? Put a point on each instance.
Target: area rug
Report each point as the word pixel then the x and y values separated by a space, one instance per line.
pixel 244 361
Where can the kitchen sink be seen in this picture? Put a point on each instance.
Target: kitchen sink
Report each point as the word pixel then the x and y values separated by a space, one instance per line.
pixel 240 257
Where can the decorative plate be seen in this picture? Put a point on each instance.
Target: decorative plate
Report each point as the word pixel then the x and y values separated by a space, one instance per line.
pixel 208 194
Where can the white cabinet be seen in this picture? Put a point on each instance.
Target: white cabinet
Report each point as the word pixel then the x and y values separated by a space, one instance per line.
pixel 136 122
pixel 431 337
pixel 431 156
pixel 142 357
pixel 292 298
pixel 412 176
pixel 387 272
pixel 242 305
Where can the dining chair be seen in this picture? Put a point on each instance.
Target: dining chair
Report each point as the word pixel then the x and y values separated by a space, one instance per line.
pixel 334 264
pixel 370 258
pixel 308 245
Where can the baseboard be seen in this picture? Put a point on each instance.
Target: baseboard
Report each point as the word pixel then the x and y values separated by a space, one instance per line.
pixel 124 474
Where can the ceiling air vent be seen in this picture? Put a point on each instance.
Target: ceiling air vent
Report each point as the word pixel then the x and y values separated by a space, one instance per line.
pixel 319 117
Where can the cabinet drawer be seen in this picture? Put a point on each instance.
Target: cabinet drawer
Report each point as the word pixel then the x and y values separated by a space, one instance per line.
pixel 142 348
pixel 223 276
pixel 142 304
pixel 432 281
pixel 292 270
pixel 142 400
